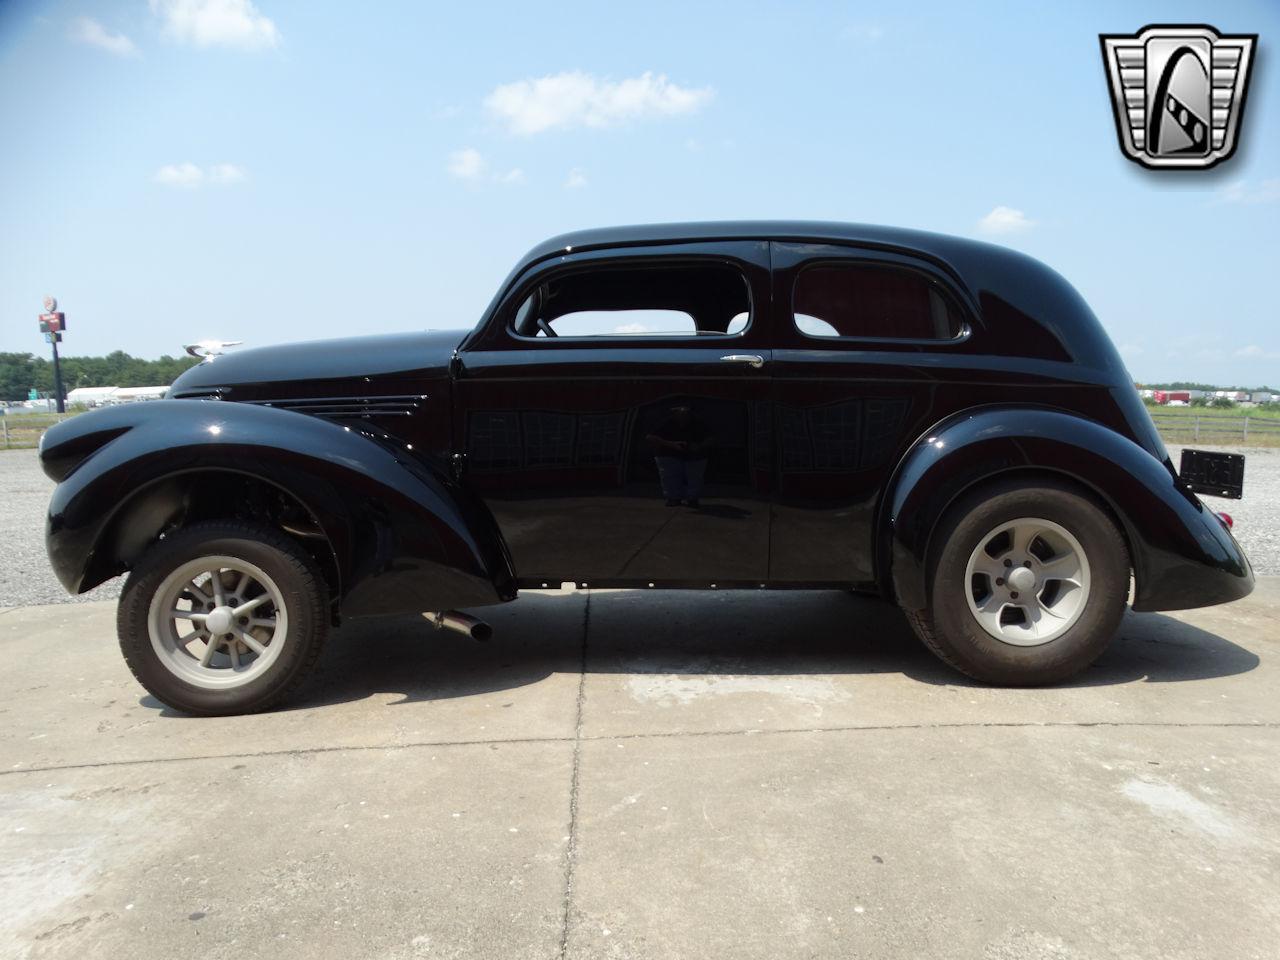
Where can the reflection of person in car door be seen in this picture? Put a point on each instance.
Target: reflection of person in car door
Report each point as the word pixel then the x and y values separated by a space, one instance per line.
pixel 680 444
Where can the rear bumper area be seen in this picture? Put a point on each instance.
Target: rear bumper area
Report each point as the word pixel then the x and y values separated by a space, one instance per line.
pixel 1211 569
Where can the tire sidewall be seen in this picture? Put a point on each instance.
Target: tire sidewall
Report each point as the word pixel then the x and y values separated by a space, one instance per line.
pixel 985 657
pixel 296 580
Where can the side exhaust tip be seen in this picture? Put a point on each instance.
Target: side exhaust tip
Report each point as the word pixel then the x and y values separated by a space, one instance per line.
pixel 462 623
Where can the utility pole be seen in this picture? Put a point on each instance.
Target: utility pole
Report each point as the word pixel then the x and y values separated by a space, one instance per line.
pixel 52 323
pixel 57 376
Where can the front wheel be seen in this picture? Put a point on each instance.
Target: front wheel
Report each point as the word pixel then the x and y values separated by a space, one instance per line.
pixel 1028 585
pixel 222 618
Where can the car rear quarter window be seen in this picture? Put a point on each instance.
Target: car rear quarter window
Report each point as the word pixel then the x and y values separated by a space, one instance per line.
pixel 871 302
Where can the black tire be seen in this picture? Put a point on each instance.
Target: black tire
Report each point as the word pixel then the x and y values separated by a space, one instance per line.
pixel 951 630
pixel 300 584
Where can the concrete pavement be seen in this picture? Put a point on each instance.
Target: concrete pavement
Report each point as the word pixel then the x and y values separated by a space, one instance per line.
pixel 625 774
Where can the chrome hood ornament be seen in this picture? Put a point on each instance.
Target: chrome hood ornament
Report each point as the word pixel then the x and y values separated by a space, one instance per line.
pixel 208 349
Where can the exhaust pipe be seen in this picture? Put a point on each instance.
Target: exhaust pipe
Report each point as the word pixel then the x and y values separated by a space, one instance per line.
pixel 460 623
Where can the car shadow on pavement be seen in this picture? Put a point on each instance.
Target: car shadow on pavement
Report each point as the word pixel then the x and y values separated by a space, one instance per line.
pixel 1161 649
pixel 730 633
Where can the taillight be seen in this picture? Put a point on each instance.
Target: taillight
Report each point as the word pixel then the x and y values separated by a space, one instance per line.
pixel 1226 518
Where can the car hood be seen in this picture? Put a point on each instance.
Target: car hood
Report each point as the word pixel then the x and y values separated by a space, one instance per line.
pixel 264 371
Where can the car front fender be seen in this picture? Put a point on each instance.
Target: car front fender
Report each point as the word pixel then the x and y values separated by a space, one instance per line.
pixel 1183 556
pixel 403 537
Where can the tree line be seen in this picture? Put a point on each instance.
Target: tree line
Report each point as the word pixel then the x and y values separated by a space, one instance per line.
pixel 19 372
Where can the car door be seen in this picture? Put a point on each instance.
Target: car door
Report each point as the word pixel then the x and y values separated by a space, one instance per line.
pixel 870 349
pixel 614 414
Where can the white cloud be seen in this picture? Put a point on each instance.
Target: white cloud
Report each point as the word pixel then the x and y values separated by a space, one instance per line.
pixel 633 328
pixel 576 99
pixel 1267 191
pixel 180 175
pixel 226 173
pixel 189 176
pixel 466 164
pixel 1130 350
pixel 88 31
pixel 470 165
pixel 1255 352
pixel 208 23
pixel 576 180
pixel 1005 220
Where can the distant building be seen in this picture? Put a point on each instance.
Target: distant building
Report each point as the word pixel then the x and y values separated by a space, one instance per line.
pixel 106 396
pixel 133 394
pixel 90 396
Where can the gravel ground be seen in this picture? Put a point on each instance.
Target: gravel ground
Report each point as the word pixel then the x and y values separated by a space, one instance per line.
pixel 25 578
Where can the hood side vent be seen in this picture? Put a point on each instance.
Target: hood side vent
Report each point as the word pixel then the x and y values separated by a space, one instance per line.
pixel 199 393
pixel 342 408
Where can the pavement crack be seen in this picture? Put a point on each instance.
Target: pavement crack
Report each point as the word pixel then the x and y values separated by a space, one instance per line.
pixel 578 739
pixel 571 847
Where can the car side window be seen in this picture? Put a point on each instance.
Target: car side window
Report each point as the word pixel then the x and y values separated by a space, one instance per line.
pixel 871 301
pixel 652 300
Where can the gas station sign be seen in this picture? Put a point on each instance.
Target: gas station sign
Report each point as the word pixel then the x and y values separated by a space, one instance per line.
pixel 52 322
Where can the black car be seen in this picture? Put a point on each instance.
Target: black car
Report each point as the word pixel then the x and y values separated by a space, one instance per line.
pixel 714 405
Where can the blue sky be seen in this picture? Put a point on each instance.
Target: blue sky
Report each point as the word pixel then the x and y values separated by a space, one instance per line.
pixel 282 170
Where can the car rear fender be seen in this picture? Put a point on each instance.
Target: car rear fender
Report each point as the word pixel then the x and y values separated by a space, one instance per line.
pixel 1182 555
pixel 401 535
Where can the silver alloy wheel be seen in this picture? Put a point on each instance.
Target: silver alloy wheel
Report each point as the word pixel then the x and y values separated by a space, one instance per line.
pixel 218 622
pixel 1027 581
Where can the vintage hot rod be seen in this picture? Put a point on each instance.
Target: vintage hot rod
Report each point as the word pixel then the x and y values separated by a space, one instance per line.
pixel 940 422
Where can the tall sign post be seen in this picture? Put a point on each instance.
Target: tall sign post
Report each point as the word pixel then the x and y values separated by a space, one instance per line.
pixel 52 323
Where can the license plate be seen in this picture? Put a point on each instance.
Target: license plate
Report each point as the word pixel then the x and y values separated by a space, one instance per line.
pixel 1215 474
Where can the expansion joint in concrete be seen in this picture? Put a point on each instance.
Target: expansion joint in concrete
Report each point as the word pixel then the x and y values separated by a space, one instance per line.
pixel 571 847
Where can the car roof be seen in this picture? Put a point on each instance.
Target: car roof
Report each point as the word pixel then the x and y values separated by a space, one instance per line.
pixel 936 245
pixel 1005 288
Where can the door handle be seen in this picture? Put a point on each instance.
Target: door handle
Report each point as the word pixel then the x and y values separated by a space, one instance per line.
pixel 751 359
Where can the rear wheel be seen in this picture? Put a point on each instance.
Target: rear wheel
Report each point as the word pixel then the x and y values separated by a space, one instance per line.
pixel 1028 585
pixel 222 618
